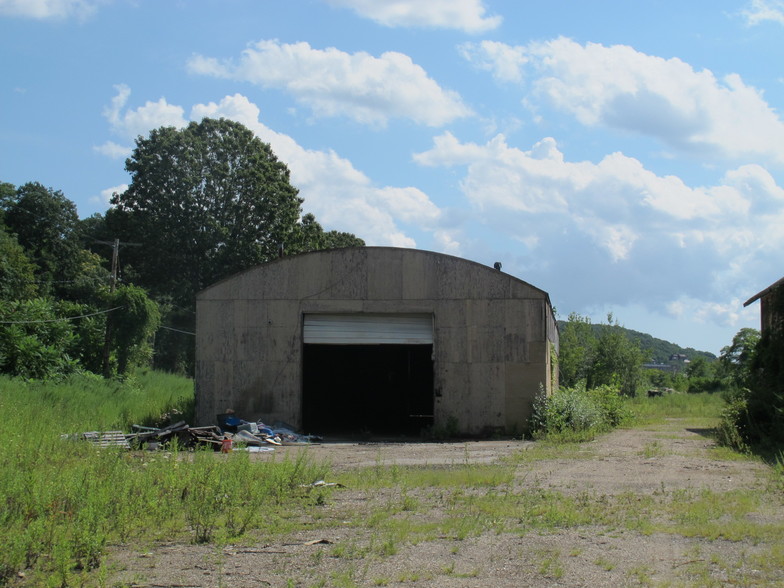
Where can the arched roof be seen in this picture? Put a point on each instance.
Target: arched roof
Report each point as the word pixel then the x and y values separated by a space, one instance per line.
pixel 372 272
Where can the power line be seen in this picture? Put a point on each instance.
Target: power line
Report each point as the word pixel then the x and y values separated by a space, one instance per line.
pixel 59 320
pixel 177 330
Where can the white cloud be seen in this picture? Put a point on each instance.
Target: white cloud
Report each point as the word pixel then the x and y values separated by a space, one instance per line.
pixel 49 9
pixel 368 89
pixel 341 197
pixel 625 89
pixel 504 61
pixel 759 11
pixel 465 15
pixel 113 151
pixel 728 314
pixel 132 123
pixel 615 221
pixel 106 195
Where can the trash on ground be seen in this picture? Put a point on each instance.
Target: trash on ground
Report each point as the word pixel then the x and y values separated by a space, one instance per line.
pixel 288 436
pixel 231 433
pixel 257 449
pixel 322 484
pixel 318 542
pixel 101 439
pixel 252 432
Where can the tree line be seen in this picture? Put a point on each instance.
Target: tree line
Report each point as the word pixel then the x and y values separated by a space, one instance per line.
pixel 749 373
pixel 115 290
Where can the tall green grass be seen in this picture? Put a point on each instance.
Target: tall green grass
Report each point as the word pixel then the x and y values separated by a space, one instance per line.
pixel 62 502
pixel 702 409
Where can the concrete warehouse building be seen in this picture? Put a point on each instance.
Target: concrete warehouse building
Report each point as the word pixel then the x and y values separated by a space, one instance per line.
pixel 375 340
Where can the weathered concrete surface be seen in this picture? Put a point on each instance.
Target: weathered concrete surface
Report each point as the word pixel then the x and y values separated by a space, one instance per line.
pixel 494 334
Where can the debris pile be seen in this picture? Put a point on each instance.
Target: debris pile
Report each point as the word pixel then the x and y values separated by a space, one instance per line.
pixel 231 432
pixel 184 435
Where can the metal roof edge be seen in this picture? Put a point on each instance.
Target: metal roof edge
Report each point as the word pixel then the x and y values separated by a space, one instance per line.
pixel 759 295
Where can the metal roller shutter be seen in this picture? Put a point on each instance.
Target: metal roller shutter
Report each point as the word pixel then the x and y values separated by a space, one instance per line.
pixel 369 329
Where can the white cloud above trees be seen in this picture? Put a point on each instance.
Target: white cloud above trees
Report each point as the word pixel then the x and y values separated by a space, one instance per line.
pixel 342 197
pixel 368 89
pixel 621 88
pixel 130 123
pixel 464 15
pixel 624 219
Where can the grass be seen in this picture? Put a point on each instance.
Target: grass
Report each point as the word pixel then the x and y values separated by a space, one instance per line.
pixel 653 449
pixel 65 502
pixel 701 409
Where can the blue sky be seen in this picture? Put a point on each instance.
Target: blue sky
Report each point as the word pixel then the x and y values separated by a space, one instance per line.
pixel 626 157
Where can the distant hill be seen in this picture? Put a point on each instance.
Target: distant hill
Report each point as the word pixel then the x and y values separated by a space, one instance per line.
pixel 655 350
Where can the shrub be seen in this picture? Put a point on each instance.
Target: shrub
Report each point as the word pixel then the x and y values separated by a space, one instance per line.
pixel 732 430
pixel 705 384
pixel 577 413
pixel 34 339
pixel 754 416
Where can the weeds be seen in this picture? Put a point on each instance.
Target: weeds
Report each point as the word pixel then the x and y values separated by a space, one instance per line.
pixel 701 409
pixel 577 414
pixel 550 565
pixel 653 449
pixel 64 501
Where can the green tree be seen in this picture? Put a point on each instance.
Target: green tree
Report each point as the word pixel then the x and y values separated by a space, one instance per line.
pixel 618 360
pixel 133 325
pixel 736 359
pixel 46 225
pixel 702 377
pixel 35 338
pixel 339 239
pixel 17 272
pixel 204 201
pixel 7 196
pixel 754 363
pixel 310 236
pixel 766 381
pixel 577 345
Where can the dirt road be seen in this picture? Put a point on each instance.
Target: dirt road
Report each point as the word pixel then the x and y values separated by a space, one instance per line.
pixel 668 510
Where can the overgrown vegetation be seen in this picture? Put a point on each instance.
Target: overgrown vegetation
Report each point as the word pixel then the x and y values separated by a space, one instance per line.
pixel 754 416
pixel 701 409
pixel 609 359
pixel 64 501
pixel 577 414
pixel 654 349
pixel 203 203
pixel 749 375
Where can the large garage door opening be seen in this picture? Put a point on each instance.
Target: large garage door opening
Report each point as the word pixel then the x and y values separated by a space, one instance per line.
pixel 368 374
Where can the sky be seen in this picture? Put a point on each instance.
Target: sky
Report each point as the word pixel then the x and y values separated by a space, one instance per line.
pixel 625 157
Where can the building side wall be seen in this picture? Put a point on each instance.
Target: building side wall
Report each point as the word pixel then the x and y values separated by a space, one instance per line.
pixel 492 333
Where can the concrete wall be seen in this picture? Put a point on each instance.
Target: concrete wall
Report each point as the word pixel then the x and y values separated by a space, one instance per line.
pixel 492 340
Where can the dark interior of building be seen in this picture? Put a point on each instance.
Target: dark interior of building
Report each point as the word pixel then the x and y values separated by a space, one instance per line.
pixel 367 390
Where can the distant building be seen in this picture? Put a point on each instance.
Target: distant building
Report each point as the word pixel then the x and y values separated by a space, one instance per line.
pixel 664 367
pixel 769 319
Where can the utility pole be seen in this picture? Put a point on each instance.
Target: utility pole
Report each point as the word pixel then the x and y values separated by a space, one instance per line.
pixel 107 340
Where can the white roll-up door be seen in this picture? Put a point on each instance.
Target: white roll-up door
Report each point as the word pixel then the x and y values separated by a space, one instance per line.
pixel 369 329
